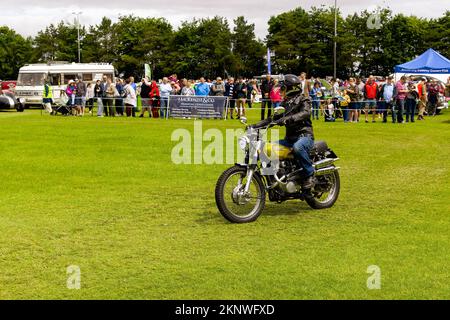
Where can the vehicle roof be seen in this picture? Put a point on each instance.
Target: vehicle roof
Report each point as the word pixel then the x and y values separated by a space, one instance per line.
pixel 75 67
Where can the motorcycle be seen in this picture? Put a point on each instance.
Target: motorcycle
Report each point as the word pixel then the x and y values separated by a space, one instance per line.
pixel 270 168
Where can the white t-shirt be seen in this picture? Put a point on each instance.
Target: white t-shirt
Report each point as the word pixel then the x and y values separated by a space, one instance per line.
pixel 130 99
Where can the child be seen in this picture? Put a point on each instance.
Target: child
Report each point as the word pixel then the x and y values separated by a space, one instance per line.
pixel 329 112
pixel 345 102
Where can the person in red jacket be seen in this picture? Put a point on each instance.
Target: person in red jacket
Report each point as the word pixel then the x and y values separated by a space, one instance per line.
pixel 154 99
pixel 370 95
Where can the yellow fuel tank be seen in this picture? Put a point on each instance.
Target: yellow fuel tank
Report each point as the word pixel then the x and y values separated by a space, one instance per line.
pixel 276 151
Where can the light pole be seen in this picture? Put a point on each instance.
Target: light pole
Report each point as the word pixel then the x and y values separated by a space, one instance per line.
pixel 335 36
pixel 77 14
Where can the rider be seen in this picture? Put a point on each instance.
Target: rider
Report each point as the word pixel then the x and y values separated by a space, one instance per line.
pixel 299 130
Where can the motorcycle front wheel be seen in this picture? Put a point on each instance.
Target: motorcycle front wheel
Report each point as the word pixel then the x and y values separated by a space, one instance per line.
pixel 233 203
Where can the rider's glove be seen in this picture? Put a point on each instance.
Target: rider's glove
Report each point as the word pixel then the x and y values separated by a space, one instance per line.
pixel 280 122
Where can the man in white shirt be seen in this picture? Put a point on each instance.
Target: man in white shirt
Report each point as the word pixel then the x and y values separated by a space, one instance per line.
pixel 165 89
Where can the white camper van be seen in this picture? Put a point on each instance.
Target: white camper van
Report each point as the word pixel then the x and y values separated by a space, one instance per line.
pixel 31 79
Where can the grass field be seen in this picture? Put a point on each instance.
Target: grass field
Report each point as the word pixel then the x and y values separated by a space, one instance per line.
pixel 104 195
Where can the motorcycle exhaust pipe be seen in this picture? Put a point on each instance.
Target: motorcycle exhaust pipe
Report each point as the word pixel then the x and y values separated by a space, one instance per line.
pixel 326 171
pixel 324 163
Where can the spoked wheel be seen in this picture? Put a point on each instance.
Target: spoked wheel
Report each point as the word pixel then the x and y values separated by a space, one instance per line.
pixel 326 192
pixel 233 202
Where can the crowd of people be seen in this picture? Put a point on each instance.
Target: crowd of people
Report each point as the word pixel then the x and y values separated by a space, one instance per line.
pixel 350 100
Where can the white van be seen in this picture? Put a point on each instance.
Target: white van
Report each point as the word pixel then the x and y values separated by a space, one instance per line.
pixel 31 79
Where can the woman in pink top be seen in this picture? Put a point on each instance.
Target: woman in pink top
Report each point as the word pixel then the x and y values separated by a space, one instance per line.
pixel 276 95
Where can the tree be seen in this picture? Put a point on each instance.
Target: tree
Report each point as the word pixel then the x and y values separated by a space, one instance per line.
pixel 101 42
pixel 202 48
pixel 15 51
pixel 58 43
pixel 247 50
pixel 141 41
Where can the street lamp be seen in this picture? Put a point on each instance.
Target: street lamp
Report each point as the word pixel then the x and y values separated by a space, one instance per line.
pixel 335 36
pixel 77 14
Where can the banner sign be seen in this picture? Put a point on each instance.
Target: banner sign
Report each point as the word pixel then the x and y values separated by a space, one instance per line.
pixel 197 107
pixel 147 71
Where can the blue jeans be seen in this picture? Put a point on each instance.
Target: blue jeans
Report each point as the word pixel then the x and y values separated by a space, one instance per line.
pixel 399 110
pixel 410 109
pixel 164 105
pixel 302 148
pixel 316 108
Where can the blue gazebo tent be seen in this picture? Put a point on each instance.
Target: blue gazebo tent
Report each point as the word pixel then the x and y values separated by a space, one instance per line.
pixel 430 62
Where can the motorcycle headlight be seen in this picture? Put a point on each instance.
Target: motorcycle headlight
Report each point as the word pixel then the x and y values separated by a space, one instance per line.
pixel 243 143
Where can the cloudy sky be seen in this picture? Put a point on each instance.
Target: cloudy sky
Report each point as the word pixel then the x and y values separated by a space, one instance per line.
pixel 28 17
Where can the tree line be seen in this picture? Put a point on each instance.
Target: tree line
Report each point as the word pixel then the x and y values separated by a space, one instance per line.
pixel 300 40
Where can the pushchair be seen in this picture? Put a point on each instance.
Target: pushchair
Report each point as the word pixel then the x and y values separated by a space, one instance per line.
pixel 65 107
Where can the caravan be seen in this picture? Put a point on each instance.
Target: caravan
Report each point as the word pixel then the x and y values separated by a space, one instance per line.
pixel 32 77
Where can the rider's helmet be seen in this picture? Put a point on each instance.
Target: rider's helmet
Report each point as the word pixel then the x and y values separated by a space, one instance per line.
pixel 291 81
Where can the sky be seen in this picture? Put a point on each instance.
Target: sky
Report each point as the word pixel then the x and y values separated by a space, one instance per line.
pixel 28 17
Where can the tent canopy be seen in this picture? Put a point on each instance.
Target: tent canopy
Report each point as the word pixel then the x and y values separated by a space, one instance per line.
pixel 431 62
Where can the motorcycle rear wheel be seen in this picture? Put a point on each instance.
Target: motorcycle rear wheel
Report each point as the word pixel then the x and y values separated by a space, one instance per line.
pixel 325 200
pixel 232 203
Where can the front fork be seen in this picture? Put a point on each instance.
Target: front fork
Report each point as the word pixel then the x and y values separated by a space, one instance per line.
pixel 250 173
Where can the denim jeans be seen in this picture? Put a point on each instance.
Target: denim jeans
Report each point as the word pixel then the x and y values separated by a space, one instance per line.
pixel 164 105
pixel 302 148
pixel 100 107
pixel 399 110
pixel 410 109
pixel 316 108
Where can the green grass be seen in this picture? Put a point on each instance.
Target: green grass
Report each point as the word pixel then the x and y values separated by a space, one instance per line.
pixel 103 194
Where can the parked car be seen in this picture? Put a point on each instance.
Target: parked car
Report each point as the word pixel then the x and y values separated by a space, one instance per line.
pixel 8 99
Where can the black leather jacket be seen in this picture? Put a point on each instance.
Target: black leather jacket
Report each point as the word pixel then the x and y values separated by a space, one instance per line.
pixel 297 117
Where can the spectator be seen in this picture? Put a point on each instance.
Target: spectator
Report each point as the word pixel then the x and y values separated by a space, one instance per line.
pixel 120 92
pixel 316 95
pixel 81 96
pixel 387 94
pixel 401 92
pixel 353 93
pixel 275 95
pixel 202 88
pixel 329 111
pixel 229 92
pixel 447 88
pixel 411 104
pixel 70 92
pixel 433 97
pixel 423 98
pixel 155 99
pixel 47 97
pixel 165 89
pixel 361 87
pixel 266 88
pixel 370 91
pixel 110 94
pixel 104 88
pixel 90 94
pixel 133 84
pixel 304 83
pixel 98 90
pixel 345 102
pixel 240 94
pixel 130 98
pixel 188 89
pixel 145 97
pixel 176 89
pixel 218 89
pixel 249 94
